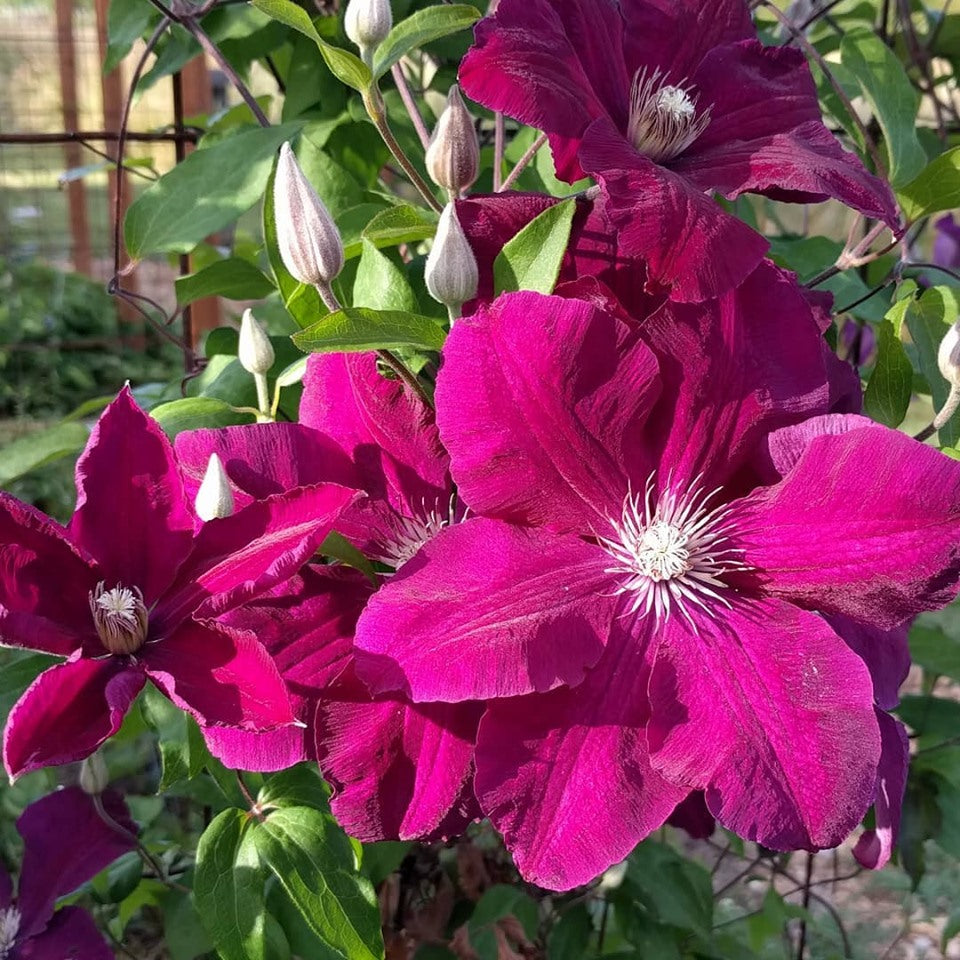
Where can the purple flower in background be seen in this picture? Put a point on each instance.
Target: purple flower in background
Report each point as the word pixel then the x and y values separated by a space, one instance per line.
pixel 132 589
pixel 65 844
pixel 665 521
pixel 946 242
pixel 666 102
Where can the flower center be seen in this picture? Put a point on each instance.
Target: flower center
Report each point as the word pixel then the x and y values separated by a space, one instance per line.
pixel 663 117
pixel 9 928
pixel 409 534
pixel 673 552
pixel 120 617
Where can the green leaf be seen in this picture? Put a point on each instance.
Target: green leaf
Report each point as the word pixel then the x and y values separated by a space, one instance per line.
pixel 313 860
pixel 338 547
pixel 183 751
pixel 346 66
pixel 934 650
pixel 193 413
pixel 184 934
pixel 928 319
pixel 299 786
pixel 36 449
pixel 358 328
pixel 126 21
pixel 421 28
pixel 531 260
pixel 888 392
pixel 393 226
pixel 233 278
pixel 292 374
pixel 936 188
pixel 569 939
pixel 205 193
pixel 891 96
pixel 228 891
pixel 380 284
pixel 18 669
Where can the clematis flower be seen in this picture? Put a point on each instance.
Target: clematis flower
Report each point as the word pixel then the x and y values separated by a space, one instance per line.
pixel 398 769
pixel 65 844
pixel 132 589
pixel 641 604
pixel 664 104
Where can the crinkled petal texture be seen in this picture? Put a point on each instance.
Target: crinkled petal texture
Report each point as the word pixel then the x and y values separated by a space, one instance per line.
pixel 132 514
pixel 45 579
pixel 875 846
pixel 765 707
pixel 398 770
pixel 885 652
pixel 66 842
pixel 487 609
pixel 70 934
pixel 324 603
pixel 865 524
pixel 566 775
pixel 68 711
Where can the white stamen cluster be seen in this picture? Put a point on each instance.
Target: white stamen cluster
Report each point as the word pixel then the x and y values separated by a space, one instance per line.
pixel 120 617
pixel 672 551
pixel 9 928
pixel 409 534
pixel 663 117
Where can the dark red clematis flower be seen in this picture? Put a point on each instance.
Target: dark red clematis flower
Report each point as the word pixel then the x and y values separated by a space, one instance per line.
pixel 132 590
pixel 666 102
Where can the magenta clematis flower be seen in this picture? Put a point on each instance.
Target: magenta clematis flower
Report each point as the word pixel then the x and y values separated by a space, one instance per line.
pixel 132 590
pixel 665 103
pixel 666 521
pixel 65 844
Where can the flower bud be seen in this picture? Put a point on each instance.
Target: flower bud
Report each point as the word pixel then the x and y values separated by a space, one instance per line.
pixel 94 775
pixel 948 356
pixel 255 350
pixel 214 498
pixel 453 157
pixel 309 241
pixel 451 272
pixel 367 23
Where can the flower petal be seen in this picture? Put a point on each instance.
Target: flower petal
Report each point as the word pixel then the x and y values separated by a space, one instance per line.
pixel 132 514
pixel 875 846
pixel 68 711
pixel 484 610
pixel 71 933
pixel 45 582
pixel 398 769
pixel 236 558
pixel 866 524
pixel 553 65
pixel 263 459
pixel 692 816
pixel 765 707
pixel 565 776
pixel 693 248
pixel 541 402
pixel 324 603
pixel 388 433
pixel 220 675
pixel 766 134
pixel 66 843
pixel 885 652
pixel 6 887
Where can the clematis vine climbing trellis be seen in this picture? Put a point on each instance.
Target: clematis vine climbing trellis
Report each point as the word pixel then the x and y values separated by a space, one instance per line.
pixel 542 558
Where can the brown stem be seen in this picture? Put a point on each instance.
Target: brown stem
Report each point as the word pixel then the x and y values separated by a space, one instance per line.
pixel 523 161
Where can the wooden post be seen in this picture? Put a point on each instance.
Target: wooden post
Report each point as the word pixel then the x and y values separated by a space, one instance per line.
pixel 72 152
pixel 192 96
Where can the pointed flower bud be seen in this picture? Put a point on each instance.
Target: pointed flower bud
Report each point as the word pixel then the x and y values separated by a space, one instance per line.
pixel 308 239
pixel 453 157
pixel 948 356
pixel 94 776
pixel 367 23
pixel 214 498
pixel 451 272
pixel 255 351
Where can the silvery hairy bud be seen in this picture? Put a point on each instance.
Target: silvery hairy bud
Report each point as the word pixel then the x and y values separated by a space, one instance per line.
pixel 214 498
pixel 308 239
pixel 948 356
pixel 453 157
pixel 255 350
pixel 94 776
pixel 367 23
pixel 451 272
